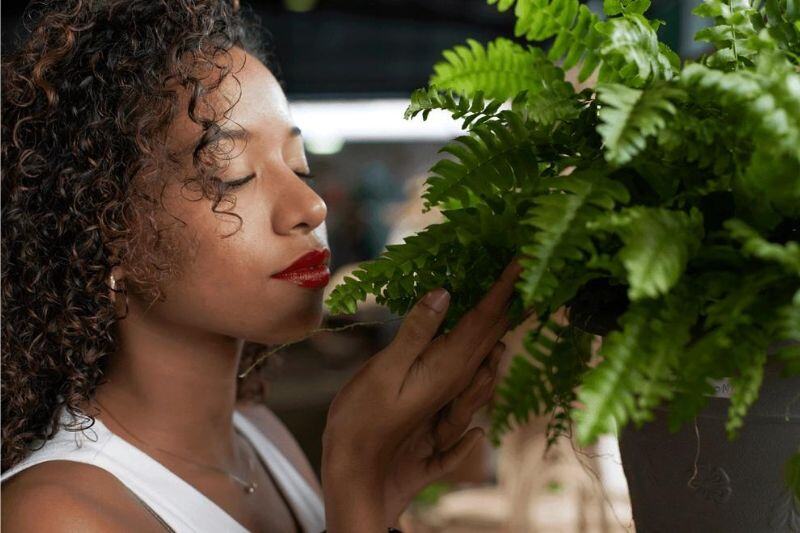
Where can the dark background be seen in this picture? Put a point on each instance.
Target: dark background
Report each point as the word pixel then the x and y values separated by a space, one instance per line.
pixel 379 48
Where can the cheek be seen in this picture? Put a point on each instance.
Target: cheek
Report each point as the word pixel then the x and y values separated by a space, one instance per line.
pixel 226 287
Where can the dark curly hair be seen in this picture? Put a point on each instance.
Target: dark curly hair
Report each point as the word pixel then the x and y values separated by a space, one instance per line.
pixel 85 110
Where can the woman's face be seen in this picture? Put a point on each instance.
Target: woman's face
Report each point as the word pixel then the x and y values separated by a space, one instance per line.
pixel 224 285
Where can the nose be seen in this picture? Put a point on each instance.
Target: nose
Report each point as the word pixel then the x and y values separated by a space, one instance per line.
pixel 298 208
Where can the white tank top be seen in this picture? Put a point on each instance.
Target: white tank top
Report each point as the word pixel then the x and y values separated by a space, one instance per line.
pixel 176 503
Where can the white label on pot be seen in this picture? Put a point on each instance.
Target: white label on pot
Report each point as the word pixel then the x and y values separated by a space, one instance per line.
pixel 722 388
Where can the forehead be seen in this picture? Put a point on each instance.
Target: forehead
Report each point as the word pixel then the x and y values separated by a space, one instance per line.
pixel 255 98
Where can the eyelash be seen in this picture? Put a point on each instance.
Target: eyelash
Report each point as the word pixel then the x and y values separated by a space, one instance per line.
pixel 241 181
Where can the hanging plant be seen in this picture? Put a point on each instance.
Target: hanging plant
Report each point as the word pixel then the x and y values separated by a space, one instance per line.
pixel 661 207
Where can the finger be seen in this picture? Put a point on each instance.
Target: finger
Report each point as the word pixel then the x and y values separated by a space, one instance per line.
pixel 495 356
pixel 498 295
pixel 492 337
pixel 458 414
pixel 447 461
pixel 454 369
pixel 418 328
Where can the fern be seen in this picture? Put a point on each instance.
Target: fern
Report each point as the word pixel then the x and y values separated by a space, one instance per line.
pixel 745 387
pixel 625 48
pixel 657 245
pixel 765 105
pixel 732 35
pixel 560 219
pixel 607 393
pixel 665 202
pixel 788 327
pixel 473 109
pixel 754 245
pixel 632 54
pixel 505 70
pixel 741 319
pixel 495 157
pixel 792 475
pixel 638 361
pixel 542 380
pixel 572 23
pixel 630 116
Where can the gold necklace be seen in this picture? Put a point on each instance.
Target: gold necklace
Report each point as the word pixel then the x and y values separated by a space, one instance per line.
pixel 248 486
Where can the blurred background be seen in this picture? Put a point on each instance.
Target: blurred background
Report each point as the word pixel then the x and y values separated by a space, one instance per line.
pixel 348 68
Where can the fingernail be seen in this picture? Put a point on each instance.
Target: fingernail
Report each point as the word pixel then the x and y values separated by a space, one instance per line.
pixel 437 299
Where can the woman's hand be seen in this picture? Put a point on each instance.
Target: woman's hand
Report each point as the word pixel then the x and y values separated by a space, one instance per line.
pixel 399 423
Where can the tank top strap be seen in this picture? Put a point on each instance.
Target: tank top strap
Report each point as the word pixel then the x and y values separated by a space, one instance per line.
pixel 303 499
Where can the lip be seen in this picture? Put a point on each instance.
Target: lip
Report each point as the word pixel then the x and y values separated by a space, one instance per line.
pixel 310 270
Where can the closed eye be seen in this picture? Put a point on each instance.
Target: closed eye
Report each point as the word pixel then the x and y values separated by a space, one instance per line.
pixel 236 183
pixel 241 181
pixel 307 175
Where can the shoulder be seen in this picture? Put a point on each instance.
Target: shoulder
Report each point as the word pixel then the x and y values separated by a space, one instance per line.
pixel 64 496
pixel 277 432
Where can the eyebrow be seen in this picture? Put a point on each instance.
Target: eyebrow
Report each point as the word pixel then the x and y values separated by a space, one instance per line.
pixel 244 134
pixel 238 134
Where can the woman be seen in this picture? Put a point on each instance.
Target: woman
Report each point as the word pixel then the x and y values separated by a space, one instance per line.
pixel 155 205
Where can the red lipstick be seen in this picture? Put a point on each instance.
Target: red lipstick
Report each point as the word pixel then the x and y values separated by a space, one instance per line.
pixel 309 270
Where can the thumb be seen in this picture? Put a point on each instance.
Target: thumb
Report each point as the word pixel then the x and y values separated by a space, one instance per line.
pixel 419 326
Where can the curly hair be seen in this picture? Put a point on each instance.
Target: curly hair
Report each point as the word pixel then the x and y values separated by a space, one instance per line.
pixel 85 111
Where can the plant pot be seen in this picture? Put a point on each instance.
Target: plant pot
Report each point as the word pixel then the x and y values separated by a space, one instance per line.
pixel 698 481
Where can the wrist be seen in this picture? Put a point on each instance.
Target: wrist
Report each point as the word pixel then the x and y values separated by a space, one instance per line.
pixel 354 501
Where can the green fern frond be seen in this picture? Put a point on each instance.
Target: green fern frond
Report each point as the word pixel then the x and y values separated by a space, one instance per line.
pixel 625 48
pixel 560 219
pixel 391 277
pixel 764 105
pixel 464 255
pixel 745 387
pixel 696 135
pixel 572 23
pixel 638 364
pixel 781 20
pixel 657 245
pixel 520 393
pixel 617 7
pixel 502 71
pixel 494 157
pixel 741 321
pixel 792 475
pixel 767 101
pixel 607 393
pixel 743 29
pixel 789 332
pixel 753 244
pixel 542 380
pixel 733 33
pixel 473 109
pixel 670 331
pixel 631 116
pixel 631 52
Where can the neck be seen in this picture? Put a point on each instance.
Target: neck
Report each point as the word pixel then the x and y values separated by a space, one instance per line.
pixel 169 385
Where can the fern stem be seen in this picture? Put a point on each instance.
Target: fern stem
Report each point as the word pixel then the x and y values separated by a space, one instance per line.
pixel 733 39
pixel 314 332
